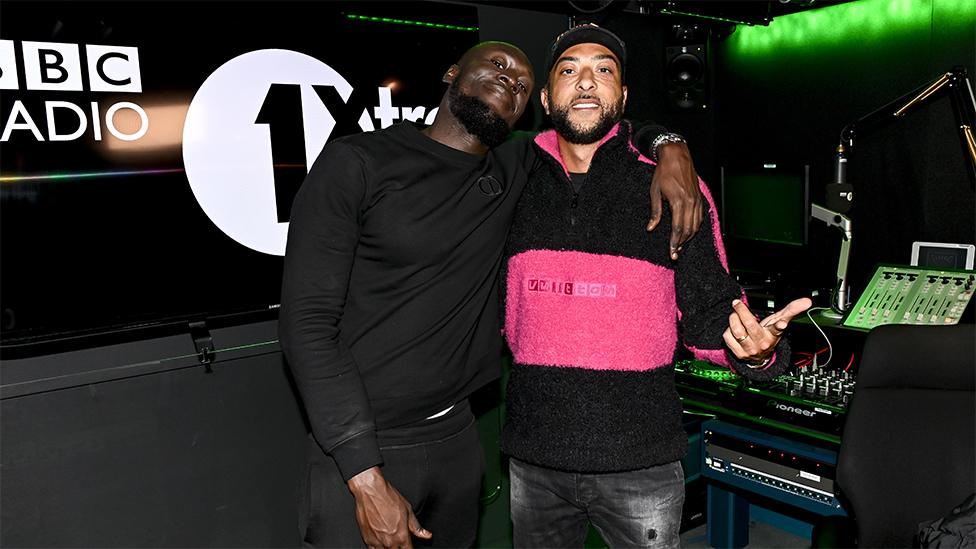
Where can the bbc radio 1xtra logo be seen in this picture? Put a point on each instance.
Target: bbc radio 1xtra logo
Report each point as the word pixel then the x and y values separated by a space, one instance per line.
pixel 235 120
pixel 232 125
pixel 54 66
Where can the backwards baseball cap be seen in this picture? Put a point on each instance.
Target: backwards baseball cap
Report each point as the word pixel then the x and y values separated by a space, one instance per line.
pixel 585 34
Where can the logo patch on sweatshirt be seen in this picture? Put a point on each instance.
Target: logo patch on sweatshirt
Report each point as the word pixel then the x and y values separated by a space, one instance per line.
pixel 489 186
pixel 574 288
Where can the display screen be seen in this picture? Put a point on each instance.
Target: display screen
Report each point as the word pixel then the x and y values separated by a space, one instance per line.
pixel 767 203
pixel 937 254
pixel 150 154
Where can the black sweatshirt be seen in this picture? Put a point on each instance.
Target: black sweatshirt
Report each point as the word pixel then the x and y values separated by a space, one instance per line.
pixel 389 308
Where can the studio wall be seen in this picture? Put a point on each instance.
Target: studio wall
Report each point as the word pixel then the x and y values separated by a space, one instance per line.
pixel 784 92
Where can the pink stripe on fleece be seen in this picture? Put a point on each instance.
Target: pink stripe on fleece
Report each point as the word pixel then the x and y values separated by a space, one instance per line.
pixel 718 356
pixel 715 356
pixel 713 213
pixel 717 233
pixel 640 156
pixel 716 228
pixel 591 311
pixel 549 142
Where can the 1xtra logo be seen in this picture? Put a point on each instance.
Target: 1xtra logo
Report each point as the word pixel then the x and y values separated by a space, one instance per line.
pixel 255 119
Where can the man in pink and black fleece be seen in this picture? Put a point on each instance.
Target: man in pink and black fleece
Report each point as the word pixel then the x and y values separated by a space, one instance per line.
pixel 595 311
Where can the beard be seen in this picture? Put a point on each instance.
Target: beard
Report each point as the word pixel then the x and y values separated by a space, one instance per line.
pixel 582 136
pixel 477 117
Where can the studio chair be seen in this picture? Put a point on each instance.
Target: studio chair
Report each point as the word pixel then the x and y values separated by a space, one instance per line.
pixel 908 451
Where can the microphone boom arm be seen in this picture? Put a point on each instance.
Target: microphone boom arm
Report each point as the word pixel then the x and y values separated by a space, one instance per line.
pixel 839 301
pixel 963 106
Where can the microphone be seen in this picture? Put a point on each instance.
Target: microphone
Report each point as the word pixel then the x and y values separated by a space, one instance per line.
pixel 840 166
pixel 840 193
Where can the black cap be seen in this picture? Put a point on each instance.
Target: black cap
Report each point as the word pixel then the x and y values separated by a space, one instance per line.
pixel 585 34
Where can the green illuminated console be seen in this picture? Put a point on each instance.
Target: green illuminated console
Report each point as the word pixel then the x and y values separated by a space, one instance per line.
pixel 913 295
pixel 811 402
pixel 710 371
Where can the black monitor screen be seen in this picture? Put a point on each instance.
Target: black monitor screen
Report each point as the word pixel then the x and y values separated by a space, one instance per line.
pixel 766 203
pixel 149 153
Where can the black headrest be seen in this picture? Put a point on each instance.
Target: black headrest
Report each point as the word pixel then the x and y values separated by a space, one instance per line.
pixel 925 357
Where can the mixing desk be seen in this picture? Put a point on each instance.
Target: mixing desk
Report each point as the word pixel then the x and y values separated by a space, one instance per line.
pixel 810 401
pixel 912 295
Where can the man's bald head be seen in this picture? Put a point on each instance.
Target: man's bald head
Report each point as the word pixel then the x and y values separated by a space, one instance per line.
pixel 490 88
pixel 511 48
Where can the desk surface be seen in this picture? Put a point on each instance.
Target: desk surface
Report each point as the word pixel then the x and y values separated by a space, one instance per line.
pixel 826 322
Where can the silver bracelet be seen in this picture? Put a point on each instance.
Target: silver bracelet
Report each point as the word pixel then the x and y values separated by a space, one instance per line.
pixel 762 364
pixel 664 139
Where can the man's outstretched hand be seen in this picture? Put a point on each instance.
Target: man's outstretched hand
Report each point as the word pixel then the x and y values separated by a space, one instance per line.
pixel 385 517
pixel 754 340
pixel 676 180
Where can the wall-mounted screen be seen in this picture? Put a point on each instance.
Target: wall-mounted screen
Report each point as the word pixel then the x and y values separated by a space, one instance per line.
pixel 766 202
pixel 764 209
pixel 149 154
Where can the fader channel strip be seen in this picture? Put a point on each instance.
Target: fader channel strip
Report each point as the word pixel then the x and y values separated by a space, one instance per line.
pixel 912 295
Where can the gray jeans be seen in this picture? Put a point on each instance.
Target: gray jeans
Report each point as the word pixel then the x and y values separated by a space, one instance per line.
pixel 552 508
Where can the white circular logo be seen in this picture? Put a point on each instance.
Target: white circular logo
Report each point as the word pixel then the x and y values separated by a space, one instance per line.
pixel 227 153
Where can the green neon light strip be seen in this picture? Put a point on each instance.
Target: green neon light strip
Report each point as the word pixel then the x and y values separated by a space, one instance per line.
pixel 700 16
pixel 861 22
pixel 763 421
pixel 407 22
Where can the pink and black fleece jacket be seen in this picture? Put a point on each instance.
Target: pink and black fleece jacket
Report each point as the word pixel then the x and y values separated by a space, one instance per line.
pixel 595 310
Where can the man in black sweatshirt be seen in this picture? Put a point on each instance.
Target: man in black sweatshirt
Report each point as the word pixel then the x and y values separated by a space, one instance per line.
pixel 389 311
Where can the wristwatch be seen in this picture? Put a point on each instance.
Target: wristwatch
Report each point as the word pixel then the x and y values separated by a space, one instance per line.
pixel 664 139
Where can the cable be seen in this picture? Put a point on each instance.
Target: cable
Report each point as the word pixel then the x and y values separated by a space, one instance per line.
pixel 830 346
pixel 807 357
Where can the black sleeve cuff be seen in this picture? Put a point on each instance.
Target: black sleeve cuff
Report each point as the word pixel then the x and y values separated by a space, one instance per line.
pixel 645 136
pixel 781 360
pixel 357 454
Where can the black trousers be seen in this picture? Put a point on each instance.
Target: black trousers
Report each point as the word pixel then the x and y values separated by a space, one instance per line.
pixel 436 465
